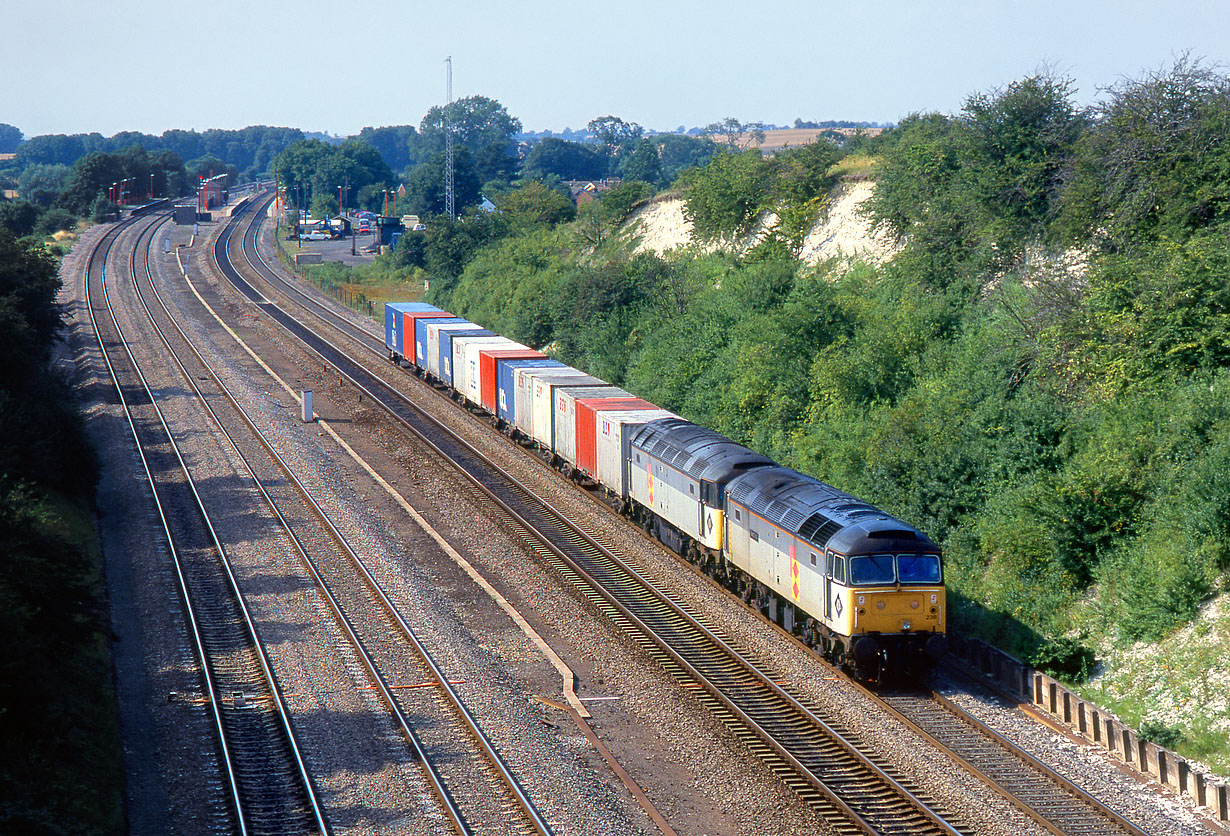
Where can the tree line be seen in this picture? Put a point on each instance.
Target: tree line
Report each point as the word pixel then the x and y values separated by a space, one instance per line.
pixel 60 755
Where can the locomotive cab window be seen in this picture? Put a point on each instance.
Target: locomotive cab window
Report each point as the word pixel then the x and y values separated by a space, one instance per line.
pixel 918 568
pixel 839 568
pixel 738 516
pixel 813 558
pixel 872 570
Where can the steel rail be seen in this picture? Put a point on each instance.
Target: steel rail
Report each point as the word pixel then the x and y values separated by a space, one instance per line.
pixel 224 562
pixel 198 642
pixel 911 709
pixel 535 818
pixel 434 778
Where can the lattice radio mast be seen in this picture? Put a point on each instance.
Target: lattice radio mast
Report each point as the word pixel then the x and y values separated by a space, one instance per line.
pixel 449 193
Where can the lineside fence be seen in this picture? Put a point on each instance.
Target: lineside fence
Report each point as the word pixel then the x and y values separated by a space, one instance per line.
pixel 1096 725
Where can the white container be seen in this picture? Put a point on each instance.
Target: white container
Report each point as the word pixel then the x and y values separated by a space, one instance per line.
pixel 612 431
pixel 461 368
pixel 542 403
pixel 466 378
pixel 433 343
pixel 564 430
pixel 524 382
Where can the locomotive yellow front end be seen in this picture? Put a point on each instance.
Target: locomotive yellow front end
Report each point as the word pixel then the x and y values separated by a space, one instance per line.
pixel 895 619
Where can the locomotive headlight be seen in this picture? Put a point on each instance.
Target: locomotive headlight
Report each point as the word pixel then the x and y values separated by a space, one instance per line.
pixel 905 625
pixel 914 604
pixel 879 605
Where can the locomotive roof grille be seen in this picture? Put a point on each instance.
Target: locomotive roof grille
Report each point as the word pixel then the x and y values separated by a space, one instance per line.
pixel 813 524
pixel 791 519
pixel 826 532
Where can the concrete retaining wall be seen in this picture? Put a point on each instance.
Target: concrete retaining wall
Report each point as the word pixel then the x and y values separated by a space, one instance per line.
pixel 1096 725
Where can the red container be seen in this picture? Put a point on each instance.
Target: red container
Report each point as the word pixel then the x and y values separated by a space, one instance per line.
pixel 587 427
pixel 408 320
pixel 488 371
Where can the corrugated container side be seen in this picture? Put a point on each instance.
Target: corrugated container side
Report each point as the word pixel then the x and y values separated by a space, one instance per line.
pixel 394 338
pixel 564 421
pixel 410 321
pixel 420 336
pixel 587 411
pixel 524 378
pixel 489 360
pixel 544 405
pixel 434 333
pixel 612 444
pixel 446 349
pixel 507 406
pixel 390 328
pixel 460 368
pixel 469 372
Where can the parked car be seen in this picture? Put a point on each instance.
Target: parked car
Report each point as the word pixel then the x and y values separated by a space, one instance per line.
pixel 314 236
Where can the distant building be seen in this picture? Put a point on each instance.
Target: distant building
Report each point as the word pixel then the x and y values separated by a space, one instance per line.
pixel 212 193
pixel 585 191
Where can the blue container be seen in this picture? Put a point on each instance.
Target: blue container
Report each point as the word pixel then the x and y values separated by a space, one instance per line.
pixel 506 405
pixel 394 325
pixel 420 336
pixel 446 349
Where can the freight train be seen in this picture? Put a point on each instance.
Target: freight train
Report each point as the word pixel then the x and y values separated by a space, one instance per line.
pixel 860 586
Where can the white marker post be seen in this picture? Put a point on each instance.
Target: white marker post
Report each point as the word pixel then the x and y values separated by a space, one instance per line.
pixel 308 416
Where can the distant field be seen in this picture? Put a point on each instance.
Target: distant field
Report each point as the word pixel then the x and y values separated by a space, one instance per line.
pixel 792 137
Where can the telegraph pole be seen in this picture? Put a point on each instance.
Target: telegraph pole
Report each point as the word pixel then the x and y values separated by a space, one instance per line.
pixel 449 194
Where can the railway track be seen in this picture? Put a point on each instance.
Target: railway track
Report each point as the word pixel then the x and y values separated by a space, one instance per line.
pixel 267 784
pixel 825 763
pixel 1054 802
pixel 369 620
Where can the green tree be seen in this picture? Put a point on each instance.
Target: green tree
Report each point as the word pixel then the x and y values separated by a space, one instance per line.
pixel 566 160
pixel 1018 145
pixel 614 134
pixel 397 144
pixel 42 184
pixel 425 184
pixel 736 134
pixel 533 204
pixel 91 176
pixel 19 217
pixel 723 198
pixel 678 153
pixel 641 162
pixel 10 138
pixel 477 122
pixel 1154 163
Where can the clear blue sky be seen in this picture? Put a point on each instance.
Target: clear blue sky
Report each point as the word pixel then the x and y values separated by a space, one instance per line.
pixel 78 66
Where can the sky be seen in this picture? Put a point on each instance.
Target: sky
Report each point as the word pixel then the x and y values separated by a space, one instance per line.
pixel 78 66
